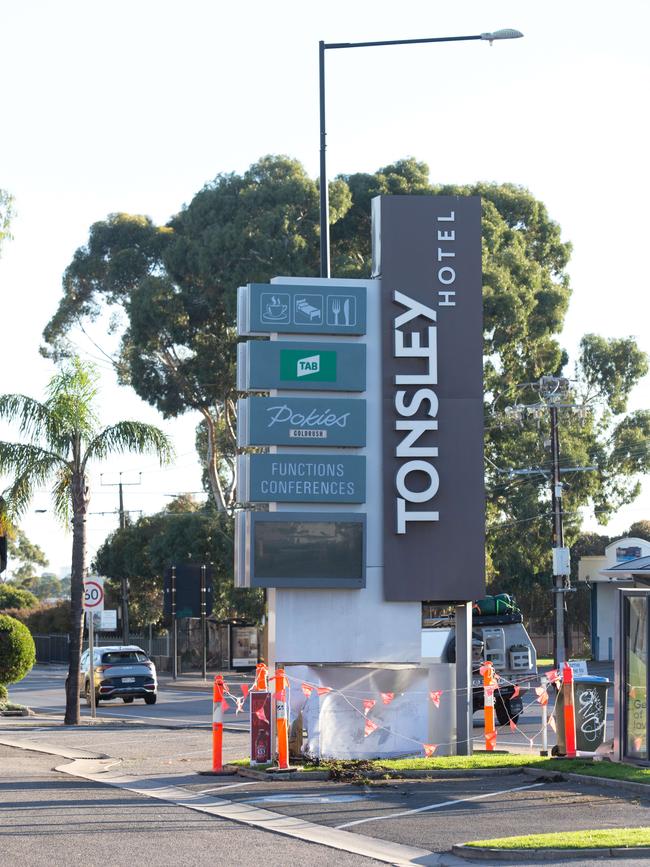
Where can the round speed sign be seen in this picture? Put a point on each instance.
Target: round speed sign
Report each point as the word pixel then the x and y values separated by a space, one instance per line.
pixel 93 595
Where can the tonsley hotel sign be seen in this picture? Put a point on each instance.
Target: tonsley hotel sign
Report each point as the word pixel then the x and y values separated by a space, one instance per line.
pixel 427 253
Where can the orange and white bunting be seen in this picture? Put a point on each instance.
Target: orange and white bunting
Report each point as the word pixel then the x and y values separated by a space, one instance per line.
pixel 323 690
pixel 516 692
pixel 307 689
pixel 429 749
pixel 513 725
pixel 553 675
pixel 368 704
pixel 542 695
pixel 387 697
pixel 434 695
pixel 259 713
pixel 370 727
pixel 245 690
pixel 551 722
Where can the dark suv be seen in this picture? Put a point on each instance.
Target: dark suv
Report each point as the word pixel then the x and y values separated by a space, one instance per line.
pixel 121 671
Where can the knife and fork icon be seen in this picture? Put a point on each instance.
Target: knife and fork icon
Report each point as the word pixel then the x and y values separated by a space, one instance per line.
pixel 336 310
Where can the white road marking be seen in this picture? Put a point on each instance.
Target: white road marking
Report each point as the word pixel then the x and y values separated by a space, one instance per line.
pixel 396 854
pixel 229 786
pixel 438 806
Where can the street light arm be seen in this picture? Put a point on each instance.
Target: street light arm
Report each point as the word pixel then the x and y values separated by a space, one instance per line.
pixel 322 47
pixel 507 33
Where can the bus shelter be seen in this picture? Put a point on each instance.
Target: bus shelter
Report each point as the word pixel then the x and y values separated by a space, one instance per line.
pixel 632 675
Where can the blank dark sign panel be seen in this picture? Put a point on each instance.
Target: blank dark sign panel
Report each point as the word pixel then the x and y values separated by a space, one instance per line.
pixel 308 553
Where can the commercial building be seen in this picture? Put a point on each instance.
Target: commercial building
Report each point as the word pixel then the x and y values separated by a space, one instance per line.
pixel 625 563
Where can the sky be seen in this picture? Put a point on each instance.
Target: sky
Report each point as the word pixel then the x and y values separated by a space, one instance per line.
pixel 134 106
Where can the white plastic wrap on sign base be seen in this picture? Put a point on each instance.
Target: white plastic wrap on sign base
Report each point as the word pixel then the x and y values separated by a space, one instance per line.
pixel 336 722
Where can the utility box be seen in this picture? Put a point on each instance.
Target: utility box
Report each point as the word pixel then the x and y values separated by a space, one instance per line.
pixel 495 646
pixel 519 657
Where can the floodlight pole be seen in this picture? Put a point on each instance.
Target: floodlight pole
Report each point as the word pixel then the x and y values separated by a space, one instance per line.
pixel 322 48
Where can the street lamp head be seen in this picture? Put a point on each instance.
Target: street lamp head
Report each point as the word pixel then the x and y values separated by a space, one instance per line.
pixel 508 33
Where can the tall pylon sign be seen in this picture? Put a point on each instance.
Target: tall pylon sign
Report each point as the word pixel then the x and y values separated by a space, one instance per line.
pixel 361 468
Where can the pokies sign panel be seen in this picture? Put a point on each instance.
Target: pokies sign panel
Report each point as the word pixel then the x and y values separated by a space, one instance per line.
pixel 301 421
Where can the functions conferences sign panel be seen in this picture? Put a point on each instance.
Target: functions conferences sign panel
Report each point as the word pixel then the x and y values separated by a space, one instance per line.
pixel 299 478
pixel 301 421
pixel 427 252
pixel 292 309
pixel 263 365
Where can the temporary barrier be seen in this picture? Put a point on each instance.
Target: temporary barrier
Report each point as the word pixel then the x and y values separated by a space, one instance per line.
pixel 282 718
pixel 217 723
pixel 569 711
pixel 488 705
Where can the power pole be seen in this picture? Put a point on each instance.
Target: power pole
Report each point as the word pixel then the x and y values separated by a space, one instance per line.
pixel 554 394
pixel 559 580
pixel 124 583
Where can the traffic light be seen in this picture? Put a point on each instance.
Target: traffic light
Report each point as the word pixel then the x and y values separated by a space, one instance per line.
pixel 188 590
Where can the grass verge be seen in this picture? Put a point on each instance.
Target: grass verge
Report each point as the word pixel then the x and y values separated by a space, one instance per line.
pixel 623 838
pixel 479 761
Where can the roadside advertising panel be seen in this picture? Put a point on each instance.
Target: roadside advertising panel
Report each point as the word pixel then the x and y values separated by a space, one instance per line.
pixel 301 421
pixel 300 478
pixel 427 253
pixel 302 549
pixel 293 309
pixel 263 365
pixel 260 728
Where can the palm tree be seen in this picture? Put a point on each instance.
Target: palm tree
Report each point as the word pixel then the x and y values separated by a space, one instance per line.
pixel 61 436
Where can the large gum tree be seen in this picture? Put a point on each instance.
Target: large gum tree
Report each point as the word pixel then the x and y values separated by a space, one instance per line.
pixel 59 439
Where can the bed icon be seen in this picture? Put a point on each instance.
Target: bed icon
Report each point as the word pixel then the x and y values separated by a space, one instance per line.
pixel 308 308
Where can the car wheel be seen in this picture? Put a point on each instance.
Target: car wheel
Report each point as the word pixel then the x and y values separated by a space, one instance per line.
pixel 127 699
pixel 150 699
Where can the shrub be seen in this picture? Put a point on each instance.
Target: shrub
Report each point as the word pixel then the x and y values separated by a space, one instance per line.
pixel 17 651
pixel 4 693
pixel 45 618
pixel 16 597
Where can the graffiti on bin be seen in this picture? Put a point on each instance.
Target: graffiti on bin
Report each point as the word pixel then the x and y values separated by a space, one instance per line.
pixel 591 714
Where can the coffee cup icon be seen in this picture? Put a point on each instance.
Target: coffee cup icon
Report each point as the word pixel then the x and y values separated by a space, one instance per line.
pixel 275 309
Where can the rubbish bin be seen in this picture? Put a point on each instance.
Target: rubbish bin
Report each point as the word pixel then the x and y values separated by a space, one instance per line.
pixel 590 703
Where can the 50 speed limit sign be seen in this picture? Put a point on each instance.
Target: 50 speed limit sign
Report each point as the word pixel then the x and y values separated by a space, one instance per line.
pixel 94 594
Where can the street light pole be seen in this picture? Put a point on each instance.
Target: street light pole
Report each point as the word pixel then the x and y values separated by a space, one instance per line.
pixel 322 48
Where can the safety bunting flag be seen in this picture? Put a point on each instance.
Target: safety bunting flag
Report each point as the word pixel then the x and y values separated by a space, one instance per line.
pixel 387 697
pixel 435 697
pixel 429 749
pixel 370 727
pixel 259 713
pixel 368 704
